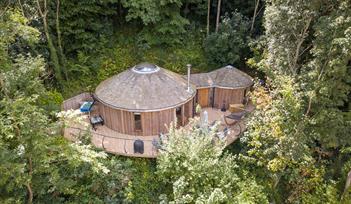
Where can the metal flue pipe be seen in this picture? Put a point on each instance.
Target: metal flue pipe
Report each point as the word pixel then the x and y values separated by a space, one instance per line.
pixel 189 69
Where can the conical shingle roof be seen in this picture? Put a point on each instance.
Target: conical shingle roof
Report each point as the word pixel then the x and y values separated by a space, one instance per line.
pixel 144 87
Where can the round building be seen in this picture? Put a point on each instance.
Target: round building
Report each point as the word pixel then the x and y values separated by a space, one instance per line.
pixel 144 99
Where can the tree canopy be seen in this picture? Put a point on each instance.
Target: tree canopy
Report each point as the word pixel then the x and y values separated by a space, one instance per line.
pixel 296 147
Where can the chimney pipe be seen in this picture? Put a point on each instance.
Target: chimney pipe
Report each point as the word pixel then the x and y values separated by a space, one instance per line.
pixel 189 68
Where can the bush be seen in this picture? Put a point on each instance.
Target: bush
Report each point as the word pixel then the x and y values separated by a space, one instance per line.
pixel 51 101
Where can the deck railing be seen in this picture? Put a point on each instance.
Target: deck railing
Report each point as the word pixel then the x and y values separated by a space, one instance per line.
pixel 76 101
pixel 150 150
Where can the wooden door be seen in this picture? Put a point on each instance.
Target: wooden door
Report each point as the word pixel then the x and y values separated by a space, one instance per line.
pixel 203 97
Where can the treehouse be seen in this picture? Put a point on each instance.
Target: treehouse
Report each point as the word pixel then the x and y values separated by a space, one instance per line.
pixel 130 111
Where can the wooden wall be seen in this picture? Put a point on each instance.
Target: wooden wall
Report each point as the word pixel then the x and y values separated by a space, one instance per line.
pixel 230 96
pixel 153 123
pixel 119 120
pixel 203 97
pixel 188 110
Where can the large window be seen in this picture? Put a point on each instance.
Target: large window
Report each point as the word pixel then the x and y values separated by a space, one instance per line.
pixel 137 122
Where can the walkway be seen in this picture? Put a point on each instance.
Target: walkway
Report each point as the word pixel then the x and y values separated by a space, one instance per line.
pixel 122 144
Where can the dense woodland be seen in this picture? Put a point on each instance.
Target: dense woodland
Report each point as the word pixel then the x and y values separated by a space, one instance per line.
pixel 296 149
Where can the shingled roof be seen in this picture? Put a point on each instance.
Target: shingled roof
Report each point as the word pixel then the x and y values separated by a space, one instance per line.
pixel 225 77
pixel 144 87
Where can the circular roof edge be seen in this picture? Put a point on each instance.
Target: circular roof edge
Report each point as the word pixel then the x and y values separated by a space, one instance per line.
pixel 145 110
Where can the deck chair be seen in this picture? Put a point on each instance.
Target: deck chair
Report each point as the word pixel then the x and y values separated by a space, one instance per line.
pixel 235 117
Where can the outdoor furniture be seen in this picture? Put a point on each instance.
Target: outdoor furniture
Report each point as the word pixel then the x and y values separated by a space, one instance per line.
pixel 234 108
pixel 223 109
pixel 138 147
pixel 236 117
pixel 96 120
pixel 86 106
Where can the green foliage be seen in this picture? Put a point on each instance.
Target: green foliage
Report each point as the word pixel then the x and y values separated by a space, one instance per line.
pixel 328 78
pixel 89 70
pixel 85 25
pixel 163 18
pixel 192 164
pixel 15 32
pixel 120 58
pixel 287 26
pixel 51 101
pixel 230 44
pixel 144 185
pixel 37 164
pixel 296 148
pixel 301 121
pixel 177 57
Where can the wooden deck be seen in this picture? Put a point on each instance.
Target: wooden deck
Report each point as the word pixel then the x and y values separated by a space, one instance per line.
pixel 121 144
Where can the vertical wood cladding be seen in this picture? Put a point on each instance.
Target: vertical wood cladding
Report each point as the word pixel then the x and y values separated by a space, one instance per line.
pixel 227 96
pixel 188 110
pixel 203 97
pixel 153 123
pixel 121 121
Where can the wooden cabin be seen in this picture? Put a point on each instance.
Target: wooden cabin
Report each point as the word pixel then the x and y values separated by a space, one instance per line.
pixel 221 87
pixel 145 99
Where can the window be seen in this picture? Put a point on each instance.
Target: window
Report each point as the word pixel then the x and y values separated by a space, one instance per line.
pixel 137 122
pixel 179 116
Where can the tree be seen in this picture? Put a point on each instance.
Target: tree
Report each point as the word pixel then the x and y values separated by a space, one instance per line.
pixel 59 39
pixel 301 122
pixel 218 14
pixel 289 43
pixel 37 164
pixel 54 59
pixel 84 25
pixel 208 17
pixel 193 168
pixel 230 44
pixel 257 3
pixel 160 17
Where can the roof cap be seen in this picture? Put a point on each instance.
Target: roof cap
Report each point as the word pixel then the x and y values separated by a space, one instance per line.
pixel 145 68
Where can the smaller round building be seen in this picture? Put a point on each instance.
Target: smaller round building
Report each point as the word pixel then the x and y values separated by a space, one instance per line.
pixel 221 87
pixel 144 99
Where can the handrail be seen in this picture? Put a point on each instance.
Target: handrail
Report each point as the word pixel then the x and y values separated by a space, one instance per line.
pixel 152 153
pixel 115 137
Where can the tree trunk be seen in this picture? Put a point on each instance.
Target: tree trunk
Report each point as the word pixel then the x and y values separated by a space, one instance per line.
pixel 257 2
pixel 301 40
pixel 29 184
pixel 59 41
pixel 347 184
pixel 208 17
pixel 218 14
pixel 53 52
pixel 186 9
